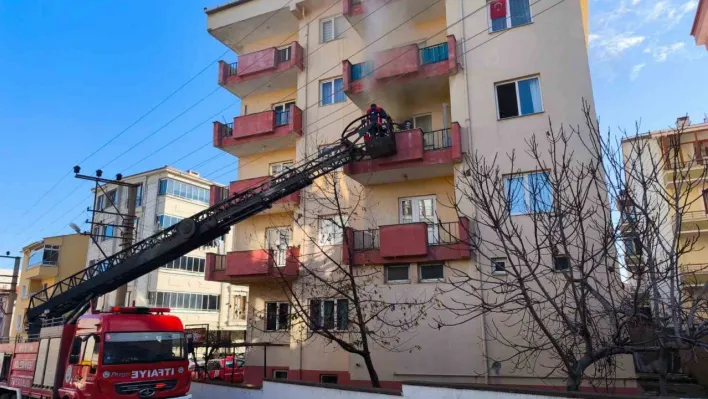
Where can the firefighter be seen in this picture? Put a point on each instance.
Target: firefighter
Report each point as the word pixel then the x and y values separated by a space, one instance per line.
pixel 376 117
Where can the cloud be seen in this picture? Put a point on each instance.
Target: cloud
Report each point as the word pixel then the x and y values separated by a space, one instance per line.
pixel 662 53
pixel 635 71
pixel 668 13
pixel 635 2
pixel 614 46
pixel 592 38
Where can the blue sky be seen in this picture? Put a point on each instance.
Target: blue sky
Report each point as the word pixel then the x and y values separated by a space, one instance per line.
pixel 74 76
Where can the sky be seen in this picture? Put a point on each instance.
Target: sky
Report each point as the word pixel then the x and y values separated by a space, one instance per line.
pixel 75 75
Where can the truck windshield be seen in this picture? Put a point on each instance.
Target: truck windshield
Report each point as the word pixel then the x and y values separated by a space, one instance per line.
pixel 143 347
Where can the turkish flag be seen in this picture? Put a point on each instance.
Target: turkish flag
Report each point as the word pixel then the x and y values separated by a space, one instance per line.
pixel 497 9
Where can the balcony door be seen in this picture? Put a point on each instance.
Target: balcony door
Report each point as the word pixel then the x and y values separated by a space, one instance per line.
pixel 420 209
pixel 282 113
pixel 278 242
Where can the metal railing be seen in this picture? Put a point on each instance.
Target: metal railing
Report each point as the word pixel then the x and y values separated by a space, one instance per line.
pixel 279 257
pixel 437 139
pixel 361 70
pixel 282 117
pixel 233 69
pixel 433 54
pixel 226 129
pixel 695 215
pixel 438 234
pixel 365 240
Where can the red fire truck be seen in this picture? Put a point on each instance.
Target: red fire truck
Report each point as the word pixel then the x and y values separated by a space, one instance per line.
pixel 127 353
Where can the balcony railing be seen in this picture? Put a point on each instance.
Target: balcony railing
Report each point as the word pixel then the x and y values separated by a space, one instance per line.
pixel 694 215
pixel 438 234
pixel 365 240
pixel 226 130
pixel 233 69
pixel 433 54
pixel 437 139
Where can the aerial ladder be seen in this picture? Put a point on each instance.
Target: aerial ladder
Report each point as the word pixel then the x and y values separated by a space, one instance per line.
pixel 72 296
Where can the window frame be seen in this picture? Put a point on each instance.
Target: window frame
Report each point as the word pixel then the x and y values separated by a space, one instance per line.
pixel 277 316
pixel 528 199
pixel 555 267
pixel 275 377
pixel 402 281
pixel 430 280
pixel 139 195
pixel 333 93
pixel 281 164
pixel 507 19
pixel 337 238
pixel 333 19
pixel 335 314
pixel 415 125
pixel 329 375
pixel 494 262
pixel 518 98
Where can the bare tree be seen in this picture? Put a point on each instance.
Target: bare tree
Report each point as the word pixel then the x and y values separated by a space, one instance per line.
pixel 557 274
pixel 348 306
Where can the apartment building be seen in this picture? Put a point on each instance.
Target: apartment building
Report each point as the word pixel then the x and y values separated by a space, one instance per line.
pixel 164 197
pixel 44 263
pixel 468 76
pixel 677 157
pixel 700 24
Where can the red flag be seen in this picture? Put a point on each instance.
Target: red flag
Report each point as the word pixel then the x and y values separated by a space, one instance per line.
pixel 497 9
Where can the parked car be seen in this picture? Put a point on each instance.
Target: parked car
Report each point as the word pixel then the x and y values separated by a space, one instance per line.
pixel 225 369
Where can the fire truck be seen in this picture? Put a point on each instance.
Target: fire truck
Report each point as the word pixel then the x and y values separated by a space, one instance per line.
pixel 142 352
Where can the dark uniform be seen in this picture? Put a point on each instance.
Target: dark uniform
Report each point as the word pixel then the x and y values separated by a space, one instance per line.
pixel 376 117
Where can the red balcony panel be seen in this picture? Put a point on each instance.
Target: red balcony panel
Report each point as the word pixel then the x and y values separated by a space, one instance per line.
pixel 217 194
pixel 254 133
pixel 256 62
pixel 251 266
pixel 242 185
pixel 404 240
pixel 391 249
pixel 396 61
pixel 411 158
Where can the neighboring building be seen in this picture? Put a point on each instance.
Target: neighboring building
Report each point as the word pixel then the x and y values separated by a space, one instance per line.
pixel 700 24
pixel 43 264
pixel 5 306
pixel 465 88
pixel 166 196
pixel 692 143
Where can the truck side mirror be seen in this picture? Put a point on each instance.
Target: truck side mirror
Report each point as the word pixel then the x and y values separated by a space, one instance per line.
pixel 75 354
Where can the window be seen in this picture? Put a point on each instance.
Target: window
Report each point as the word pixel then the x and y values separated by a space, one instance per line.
pixel 328 379
pixel 420 209
pixel 431 273
pixel 111 198
pixel 396 273
pixel 423 122
pixel 18 323
pixel 280 374
pixel 24 291
pixel 277 316
pixel 184 300
pixel 165 221
pixel 329 314
pixel 282 55
pixel 498 265
pixel 183 190
pixel 90 352
pixel 139 195
pixel 561 263
pixel 99 203
pixel 282 113
pixel 48 255
pixel 107 232
pixel 633 246
pixel 280 167
pixel 332 28
pixel 279 242
pixel 239 307
pixel 528 193
pixel 96 230
pixel 505 14
pixel 332 91
pixel 521 97
pixel 187 263
pixel 329 231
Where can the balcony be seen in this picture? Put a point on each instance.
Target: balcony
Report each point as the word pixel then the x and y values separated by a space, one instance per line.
pixel 402 72
pixel 286 204
pixel 362 14
pixel 412 242
pixel 419 155
pixel 693 222
pixel 40 272
pixel 262 71
pixel 258 133
pixel 241 267
pixel 239 24
pixel 694 274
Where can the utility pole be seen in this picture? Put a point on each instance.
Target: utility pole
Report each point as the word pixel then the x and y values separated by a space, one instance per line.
pixel 127 226
pixel 11 296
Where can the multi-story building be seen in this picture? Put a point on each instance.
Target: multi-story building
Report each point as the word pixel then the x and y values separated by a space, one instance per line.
pixel 44 263
pixel 164 197
pixel 700 24
pixel 469 76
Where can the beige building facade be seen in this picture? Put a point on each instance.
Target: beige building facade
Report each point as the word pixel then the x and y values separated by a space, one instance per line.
pixel 467 78
pixel 44 263
pixel 164 197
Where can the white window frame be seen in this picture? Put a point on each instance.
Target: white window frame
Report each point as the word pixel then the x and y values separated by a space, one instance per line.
pixel 279 259
pixel 415 125
pixel 331 80
pixel 282 164
pixel 333 19
pixel 18 323
pixel 322 312
pixel 277 316
pixel 406 281
pixel 494 261
pixel 433 233
pixel 527 192
pixel 508 18
pixel 430 280
pixel 518 98
pixel 333 238
pixel 289 52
